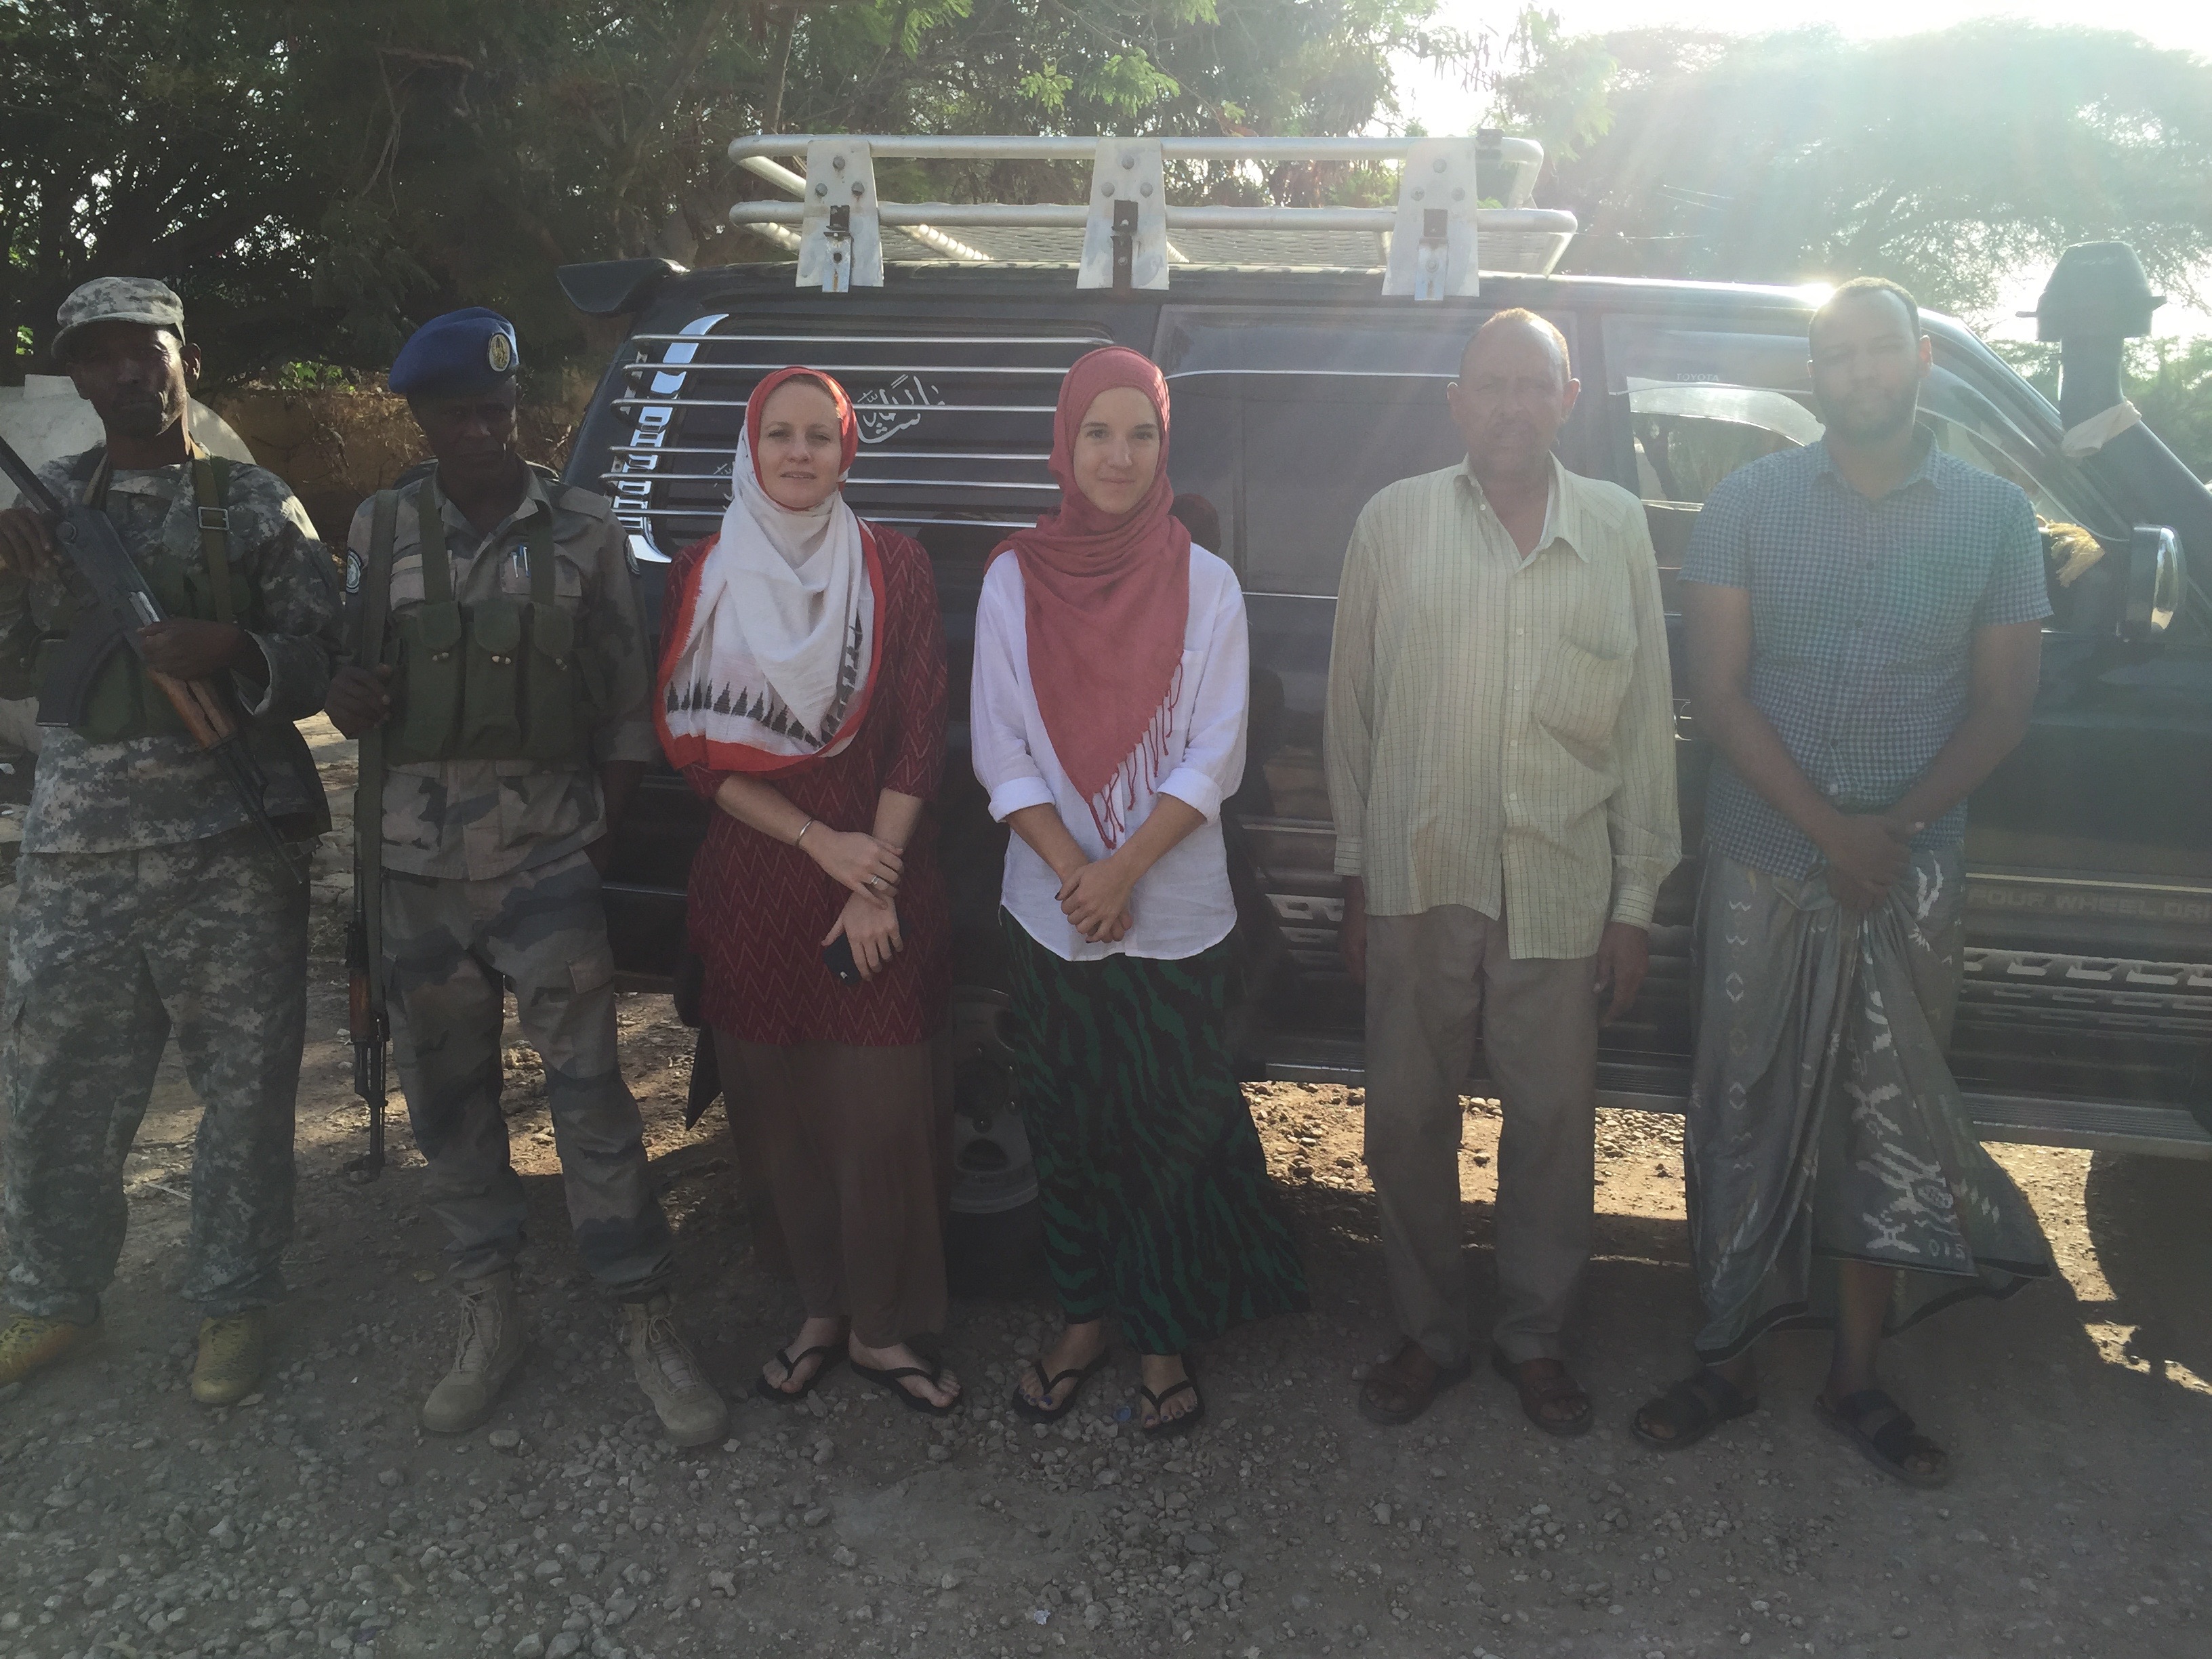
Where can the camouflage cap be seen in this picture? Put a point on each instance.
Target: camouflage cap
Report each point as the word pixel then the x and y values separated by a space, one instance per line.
pixel 118 300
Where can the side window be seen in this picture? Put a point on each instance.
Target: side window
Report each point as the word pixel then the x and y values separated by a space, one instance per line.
pixel 2075 521
pixel 1700 403
pixel 1315 449
pixel 1288 456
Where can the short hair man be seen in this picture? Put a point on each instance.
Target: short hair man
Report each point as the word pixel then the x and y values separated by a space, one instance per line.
pixel 1863 621
pixel 148 904
pixel 1500 747
pixel 511 688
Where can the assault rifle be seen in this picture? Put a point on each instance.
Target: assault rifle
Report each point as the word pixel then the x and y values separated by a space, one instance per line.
pixel 367 1020
pixel 121 604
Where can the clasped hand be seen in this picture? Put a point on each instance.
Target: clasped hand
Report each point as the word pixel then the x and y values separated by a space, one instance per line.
pixel 1867 853
pixel 868 868
pixel 1095 899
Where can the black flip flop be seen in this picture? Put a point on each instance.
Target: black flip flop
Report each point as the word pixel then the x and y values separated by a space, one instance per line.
pixel 1167 1428
pixel 1699 1405
pixel 1894 1437
pixel 1024 1407
pixel 889 1380
pixel 831 1353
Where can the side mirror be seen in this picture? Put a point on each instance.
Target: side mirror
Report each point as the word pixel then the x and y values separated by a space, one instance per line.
pixel 2153 584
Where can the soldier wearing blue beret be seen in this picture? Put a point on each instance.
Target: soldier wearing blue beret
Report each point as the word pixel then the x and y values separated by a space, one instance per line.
pixel 459 354
pixel 496 674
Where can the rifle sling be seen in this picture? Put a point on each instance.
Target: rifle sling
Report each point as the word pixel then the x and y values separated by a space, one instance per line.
pixel 210 479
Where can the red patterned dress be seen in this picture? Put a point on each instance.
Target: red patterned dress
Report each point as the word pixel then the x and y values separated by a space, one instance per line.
pixel 757 909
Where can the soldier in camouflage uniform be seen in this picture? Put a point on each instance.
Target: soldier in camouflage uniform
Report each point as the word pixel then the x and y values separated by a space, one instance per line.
pixel 146 903
pixel 513 739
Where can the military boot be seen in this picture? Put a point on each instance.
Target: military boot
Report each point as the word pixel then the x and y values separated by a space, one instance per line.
pixel 28 1344
pixel 690 1409
pixel 490 1349
pixel 233 1353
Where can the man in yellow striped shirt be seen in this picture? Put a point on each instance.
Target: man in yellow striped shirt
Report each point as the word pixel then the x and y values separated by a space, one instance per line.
pixel 1500 758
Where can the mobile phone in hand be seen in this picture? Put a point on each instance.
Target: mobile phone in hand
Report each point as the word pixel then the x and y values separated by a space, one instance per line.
pixel 837 957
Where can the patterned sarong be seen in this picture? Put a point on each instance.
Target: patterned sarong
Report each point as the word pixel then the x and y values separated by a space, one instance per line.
pixel 1824 1123
pixel 1157 1204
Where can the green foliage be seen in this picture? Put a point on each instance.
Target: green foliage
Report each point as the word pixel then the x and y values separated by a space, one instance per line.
pixel 2173 389
pixel 317 178
pixel 152 136
pixel 2169 380
pixel 1946 161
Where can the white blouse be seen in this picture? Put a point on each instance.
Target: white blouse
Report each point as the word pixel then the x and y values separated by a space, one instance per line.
pixel 1182 904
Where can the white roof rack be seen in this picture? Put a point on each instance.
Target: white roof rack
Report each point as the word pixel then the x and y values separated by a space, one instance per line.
pixel 1125 234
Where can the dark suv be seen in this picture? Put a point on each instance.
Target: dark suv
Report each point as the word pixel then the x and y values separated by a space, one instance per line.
pixel 2086 1019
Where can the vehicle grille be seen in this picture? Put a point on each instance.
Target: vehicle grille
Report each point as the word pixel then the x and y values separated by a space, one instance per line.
pixel 955 428
pixel 2043 992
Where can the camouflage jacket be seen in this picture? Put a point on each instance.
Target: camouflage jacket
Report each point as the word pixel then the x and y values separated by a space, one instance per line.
pixel 158 790
pixel 479 819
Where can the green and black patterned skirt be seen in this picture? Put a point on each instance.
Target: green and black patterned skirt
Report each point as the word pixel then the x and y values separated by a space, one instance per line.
pixel 1157 1210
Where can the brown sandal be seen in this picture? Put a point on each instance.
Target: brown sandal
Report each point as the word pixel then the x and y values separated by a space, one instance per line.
pixel 1405 1384
pixel 1540 1382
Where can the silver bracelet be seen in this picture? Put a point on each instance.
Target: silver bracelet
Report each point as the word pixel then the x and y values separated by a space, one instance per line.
pixel 803 829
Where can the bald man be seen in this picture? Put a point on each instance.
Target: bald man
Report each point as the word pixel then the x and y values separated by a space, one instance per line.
pixel 1499 750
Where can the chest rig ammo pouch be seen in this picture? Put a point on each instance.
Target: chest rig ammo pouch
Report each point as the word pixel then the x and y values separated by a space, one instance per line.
pixel 121 705
pixel 498 678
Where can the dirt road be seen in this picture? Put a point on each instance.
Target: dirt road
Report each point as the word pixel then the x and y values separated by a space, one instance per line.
pixel 316 1519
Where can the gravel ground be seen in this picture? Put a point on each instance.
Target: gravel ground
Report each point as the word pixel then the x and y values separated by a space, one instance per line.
pixel 316 1519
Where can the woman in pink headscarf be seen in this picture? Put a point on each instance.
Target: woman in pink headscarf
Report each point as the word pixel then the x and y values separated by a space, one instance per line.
pixel 802 691
pixel 1106 716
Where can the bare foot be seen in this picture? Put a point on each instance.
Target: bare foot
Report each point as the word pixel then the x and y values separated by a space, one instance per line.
pixel 942 1391
pixel 1162 1371
pixel 814 1333
pixel 1077 1346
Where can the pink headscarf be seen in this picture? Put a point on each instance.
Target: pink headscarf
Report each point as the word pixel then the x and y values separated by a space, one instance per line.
pixel 1106 600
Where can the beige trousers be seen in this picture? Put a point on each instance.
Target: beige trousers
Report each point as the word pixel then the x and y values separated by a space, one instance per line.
pixel 1435 981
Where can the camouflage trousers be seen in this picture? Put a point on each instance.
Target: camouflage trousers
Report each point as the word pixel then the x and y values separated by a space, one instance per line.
pixel 451 948
pixel 109 954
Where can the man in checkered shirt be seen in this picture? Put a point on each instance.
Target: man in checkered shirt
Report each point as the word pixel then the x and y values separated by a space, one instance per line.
pixel 1863 624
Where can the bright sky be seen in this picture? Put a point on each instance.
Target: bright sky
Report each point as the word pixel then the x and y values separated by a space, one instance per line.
pixel 2186 24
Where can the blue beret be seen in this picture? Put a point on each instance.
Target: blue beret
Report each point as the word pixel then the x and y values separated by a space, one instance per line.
pixel 454 355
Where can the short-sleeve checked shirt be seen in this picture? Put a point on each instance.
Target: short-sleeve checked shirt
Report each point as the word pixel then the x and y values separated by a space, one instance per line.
pixel 1862 619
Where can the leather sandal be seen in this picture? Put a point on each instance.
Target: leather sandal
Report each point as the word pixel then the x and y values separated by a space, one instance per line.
pixel 1690 1409
pixel 1406 1384
pixel 1540 1382
pixel 1885 1436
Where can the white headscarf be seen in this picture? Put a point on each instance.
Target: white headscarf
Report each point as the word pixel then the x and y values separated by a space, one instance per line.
pixel 783 630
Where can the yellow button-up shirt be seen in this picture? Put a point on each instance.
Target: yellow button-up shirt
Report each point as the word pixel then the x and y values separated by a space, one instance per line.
pixel 1500 729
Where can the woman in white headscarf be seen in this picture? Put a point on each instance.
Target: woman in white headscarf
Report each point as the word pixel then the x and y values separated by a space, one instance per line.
pixel 802 691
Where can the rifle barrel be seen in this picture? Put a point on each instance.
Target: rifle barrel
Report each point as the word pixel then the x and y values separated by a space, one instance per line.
pixel 39 499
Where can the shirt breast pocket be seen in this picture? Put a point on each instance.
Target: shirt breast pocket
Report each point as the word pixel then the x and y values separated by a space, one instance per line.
pixel 1930 607
pixel 1578 698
